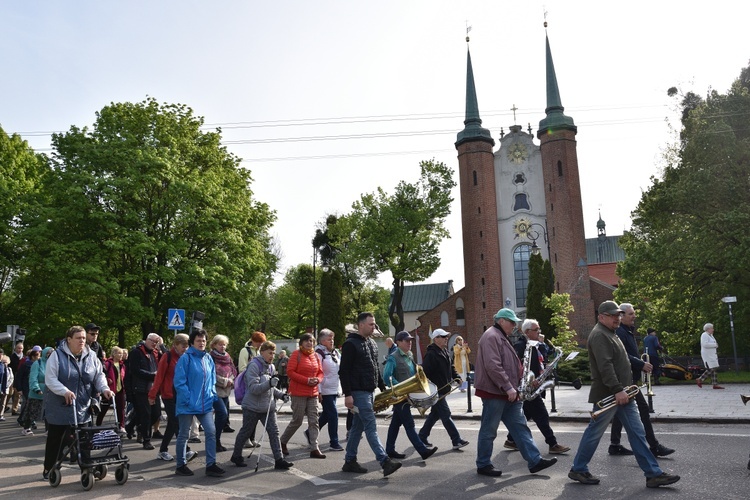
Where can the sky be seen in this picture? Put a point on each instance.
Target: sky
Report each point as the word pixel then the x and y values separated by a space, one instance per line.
pixel 326 100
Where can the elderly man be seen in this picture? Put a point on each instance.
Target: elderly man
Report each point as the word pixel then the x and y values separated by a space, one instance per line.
pixel 610 375
pixel 399 367
pixel 359 376
pixel 534 409
pixel 626 333
pixel 92 337
pixel 143 362
pixel 498 375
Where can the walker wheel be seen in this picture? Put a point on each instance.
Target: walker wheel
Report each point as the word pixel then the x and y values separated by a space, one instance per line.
pixel 688 376
pixel 87 480
pixel 55 475
pixel 121 474
pixel 100 472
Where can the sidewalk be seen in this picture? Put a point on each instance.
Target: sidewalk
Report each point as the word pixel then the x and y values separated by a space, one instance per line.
pixel 683 402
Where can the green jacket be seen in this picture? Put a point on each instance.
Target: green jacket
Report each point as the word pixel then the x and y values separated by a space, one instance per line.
pixel 610 366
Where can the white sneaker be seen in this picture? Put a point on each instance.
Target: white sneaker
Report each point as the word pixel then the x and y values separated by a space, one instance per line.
pixel 27 432
pixel 164 455
pixel 190 455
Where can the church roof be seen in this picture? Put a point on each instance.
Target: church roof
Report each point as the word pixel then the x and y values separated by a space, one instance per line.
pixel 604 249
pixel 425 297
pixel 556 119
pixel 473 130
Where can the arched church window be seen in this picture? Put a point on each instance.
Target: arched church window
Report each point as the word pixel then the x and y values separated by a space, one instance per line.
pixel 460 315
pixel 444 321
pixel 521 256
pixel 559 168
pixel 474 173
pixel 521 202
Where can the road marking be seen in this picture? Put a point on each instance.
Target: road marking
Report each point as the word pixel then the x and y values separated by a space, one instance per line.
pixel 317 481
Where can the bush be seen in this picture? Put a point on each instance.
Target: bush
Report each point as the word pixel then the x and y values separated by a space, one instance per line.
pixel 567 371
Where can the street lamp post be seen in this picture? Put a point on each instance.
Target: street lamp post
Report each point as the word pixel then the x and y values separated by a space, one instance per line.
pixel 315 290
pixel 728 301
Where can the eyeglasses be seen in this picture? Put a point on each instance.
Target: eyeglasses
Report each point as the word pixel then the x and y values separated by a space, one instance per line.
pixel 534 329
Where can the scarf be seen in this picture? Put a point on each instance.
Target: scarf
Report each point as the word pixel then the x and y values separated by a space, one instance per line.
pixel 224 366
pixel 307 352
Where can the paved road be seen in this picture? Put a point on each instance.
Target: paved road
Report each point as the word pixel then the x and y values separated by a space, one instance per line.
pixel 712 457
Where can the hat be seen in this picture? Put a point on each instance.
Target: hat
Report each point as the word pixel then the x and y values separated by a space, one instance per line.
pixel 439 332
pixel 650 330
pixel 92 326
pixel 403 336
pixel 609 307
pixel 508 314
pixel 36 348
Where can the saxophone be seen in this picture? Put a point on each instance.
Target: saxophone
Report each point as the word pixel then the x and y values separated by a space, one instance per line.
pixel 527 391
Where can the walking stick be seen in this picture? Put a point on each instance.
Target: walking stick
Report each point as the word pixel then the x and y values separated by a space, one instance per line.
pixel 260 442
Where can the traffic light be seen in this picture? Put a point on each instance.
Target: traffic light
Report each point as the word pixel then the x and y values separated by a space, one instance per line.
pixel 7 335
pixel 20 335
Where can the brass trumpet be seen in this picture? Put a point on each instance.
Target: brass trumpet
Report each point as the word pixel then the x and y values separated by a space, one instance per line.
pixel 646 377
pixel 610 402
pixel 744 399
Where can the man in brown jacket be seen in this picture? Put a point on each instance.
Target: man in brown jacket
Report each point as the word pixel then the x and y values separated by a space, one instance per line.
pixel 498 375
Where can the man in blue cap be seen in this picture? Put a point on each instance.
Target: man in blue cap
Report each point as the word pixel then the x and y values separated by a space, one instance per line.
pixel 498 375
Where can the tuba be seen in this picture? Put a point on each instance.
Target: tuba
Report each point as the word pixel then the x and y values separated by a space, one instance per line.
pixel 400 392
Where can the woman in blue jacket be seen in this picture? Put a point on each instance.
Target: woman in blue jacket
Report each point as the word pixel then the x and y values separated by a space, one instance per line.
pixel 195 391
pixel 36 392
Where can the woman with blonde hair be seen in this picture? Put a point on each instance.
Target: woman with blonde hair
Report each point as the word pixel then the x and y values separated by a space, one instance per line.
pixel 461 353
pixel 114 370
pixel 225 375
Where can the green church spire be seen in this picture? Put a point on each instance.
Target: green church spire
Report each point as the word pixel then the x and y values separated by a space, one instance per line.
pixel 556 119
pixel 473 130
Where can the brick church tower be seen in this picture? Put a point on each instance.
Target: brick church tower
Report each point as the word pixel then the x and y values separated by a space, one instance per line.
pixel 557 136
pixel 482 294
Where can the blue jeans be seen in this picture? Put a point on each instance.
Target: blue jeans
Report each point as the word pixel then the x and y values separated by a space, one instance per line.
pixel 207 421
pixel 442 411
pixel 330 416
pixel 402 417
pixel 364 421
pixel 631 421
pixel 511 414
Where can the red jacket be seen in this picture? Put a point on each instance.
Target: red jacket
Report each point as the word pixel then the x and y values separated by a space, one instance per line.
pixel 302 367
pixel 112 375
pixel 164 381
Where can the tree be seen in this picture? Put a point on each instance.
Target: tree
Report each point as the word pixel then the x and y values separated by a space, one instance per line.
pixel 145 212
pixel 559 304
pixel 541 285
pixel 688 246
pixel 21 173
pixel 399 233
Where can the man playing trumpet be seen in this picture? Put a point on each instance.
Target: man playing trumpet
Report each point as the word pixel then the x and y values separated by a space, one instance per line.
pixel 610 374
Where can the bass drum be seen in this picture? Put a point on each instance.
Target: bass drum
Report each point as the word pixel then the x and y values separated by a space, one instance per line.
pixel 423 401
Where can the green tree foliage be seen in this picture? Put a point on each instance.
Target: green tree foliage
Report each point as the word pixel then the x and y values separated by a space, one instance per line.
pixel 559 304
pixel 689 245
pixel 332 312
pixel 399 233
pixel 292 304
pixel 540 286
pixel 146 211
pixel 21 173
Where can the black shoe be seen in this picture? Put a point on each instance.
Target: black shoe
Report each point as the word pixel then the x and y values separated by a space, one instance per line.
pixel 238 461
pixel 427 454
pixel 214 471
pixel 194 440
pixel 183 471
pixel 157 435
pixel 543 464
pixel 661 451
pixel 282 464
pixel 45 475
pixel 389 467
pixel 583 477
pixel 353 466
pixel 663 480
pixel 228 429
pixel 147 445
pixel 395 454
pixel 618 449
pixel 220 447
pixel 489 470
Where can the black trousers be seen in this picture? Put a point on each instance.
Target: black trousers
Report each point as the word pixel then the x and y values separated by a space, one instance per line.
pixel 146 415
pixel 173 424
pixel 616 432
pixel 536 410
pixel 57 436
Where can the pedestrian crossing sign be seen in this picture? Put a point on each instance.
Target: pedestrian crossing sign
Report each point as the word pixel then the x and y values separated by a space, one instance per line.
pixel 176 319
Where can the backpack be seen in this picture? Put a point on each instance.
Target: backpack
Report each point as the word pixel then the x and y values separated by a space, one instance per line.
pixel 239 382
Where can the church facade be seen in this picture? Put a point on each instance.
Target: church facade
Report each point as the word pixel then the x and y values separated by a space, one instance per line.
pixel 519 198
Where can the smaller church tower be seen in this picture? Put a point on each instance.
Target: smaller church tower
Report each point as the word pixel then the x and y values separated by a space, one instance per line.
pixel 483 289
pixel 557 136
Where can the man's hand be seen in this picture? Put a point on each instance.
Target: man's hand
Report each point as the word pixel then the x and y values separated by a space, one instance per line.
pixel 648 367
pixel 512 395
pixel 622 398
pixel 349 402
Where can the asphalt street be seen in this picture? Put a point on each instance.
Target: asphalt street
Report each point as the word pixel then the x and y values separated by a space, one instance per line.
pixel 711 458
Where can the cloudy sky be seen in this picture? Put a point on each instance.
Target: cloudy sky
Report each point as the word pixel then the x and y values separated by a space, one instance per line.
pixel 324 100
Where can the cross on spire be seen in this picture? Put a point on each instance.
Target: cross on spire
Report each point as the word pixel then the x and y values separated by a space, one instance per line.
pixel 514 109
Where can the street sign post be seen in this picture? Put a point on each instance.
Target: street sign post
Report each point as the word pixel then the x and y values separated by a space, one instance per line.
pixel 729 301
pixel 176 319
